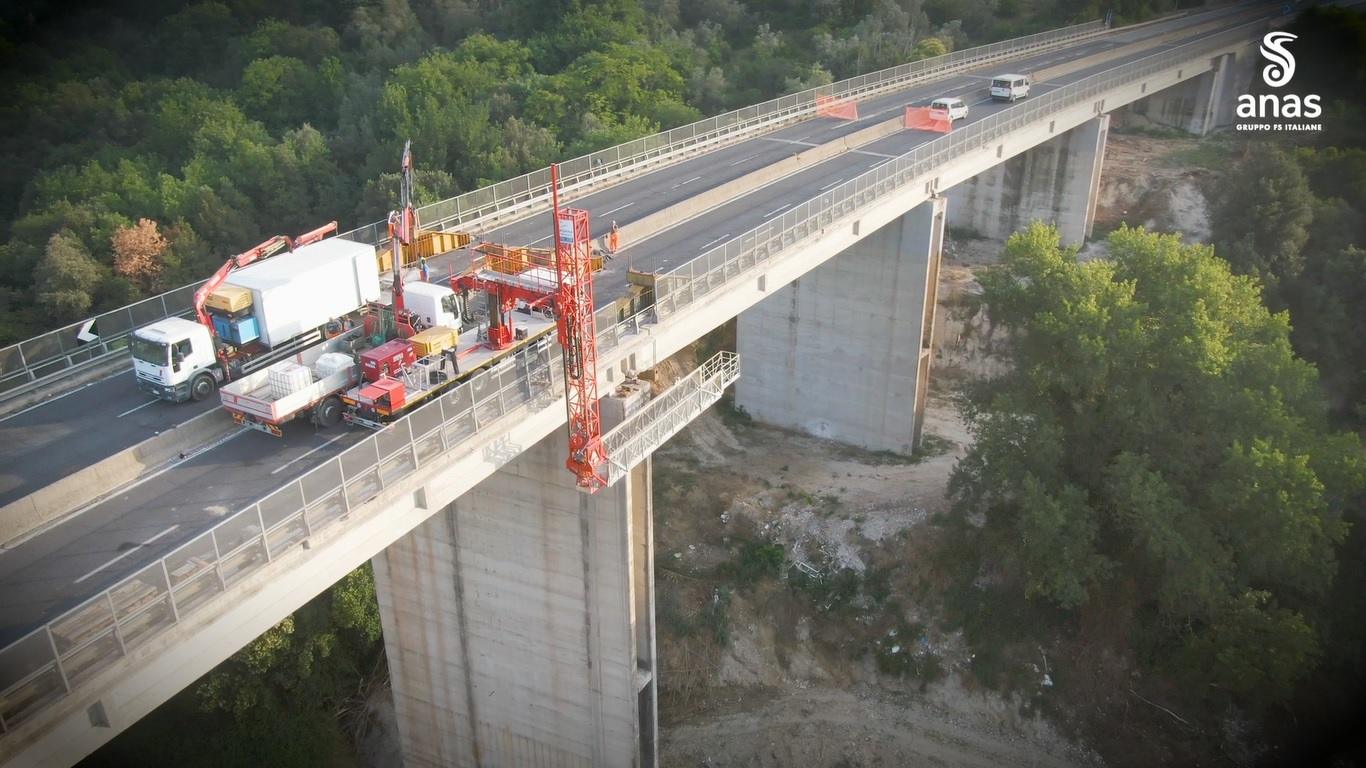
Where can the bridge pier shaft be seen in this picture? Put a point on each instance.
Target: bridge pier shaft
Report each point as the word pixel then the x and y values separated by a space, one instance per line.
pixel 844 352
pixel 1057 181
pixel 1199 105
pixel 519 622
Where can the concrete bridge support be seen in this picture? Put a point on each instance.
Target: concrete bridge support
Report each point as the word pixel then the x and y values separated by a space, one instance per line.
pixel 844 352
pixel 1199 105
pixel 519 622
pixel 1056 181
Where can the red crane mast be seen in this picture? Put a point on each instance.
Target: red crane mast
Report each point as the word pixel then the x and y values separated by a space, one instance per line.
pixel 403 224
pixel 578 335
pixel 562 279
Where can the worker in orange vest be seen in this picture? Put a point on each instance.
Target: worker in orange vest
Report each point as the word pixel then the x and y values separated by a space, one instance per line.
pixel 612 240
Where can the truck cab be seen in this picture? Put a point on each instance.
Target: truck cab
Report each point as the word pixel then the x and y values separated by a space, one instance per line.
pixel 434 305
pixel 174 359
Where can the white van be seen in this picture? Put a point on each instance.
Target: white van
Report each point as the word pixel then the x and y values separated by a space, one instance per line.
pixel 1009 87
pixel 955 107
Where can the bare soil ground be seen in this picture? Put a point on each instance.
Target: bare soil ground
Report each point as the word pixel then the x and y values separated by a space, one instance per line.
pixel 799 683
pixel 772 675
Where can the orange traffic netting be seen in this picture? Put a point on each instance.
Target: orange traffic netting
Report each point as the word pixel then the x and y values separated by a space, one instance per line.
pixel 829 106
pixel 926 119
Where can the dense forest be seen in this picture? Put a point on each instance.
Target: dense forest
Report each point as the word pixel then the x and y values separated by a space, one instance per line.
pixel 144 143
pixel 1171 473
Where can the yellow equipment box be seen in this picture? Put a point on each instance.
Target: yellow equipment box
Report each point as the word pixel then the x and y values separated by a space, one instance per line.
pixel 229 298
pixel 433 341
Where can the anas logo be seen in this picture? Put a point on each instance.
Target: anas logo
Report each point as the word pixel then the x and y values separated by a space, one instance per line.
pixel 1275 74
pixel 1282 66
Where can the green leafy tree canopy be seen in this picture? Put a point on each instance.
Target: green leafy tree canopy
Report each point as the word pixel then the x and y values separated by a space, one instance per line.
pixel 1156 438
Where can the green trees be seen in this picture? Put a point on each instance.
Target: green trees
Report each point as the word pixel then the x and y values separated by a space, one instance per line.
pixel 1260 218
pixel 1157 432
pixel 1293 221
pixel 310 659
pixel 67 278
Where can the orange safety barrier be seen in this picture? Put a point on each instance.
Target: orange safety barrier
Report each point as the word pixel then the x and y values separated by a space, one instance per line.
pixel 926 119
pixel 829 106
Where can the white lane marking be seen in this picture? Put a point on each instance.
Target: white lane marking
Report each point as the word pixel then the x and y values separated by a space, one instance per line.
pixel 717 240
pixel 604 213
pixel 790 141
pixel 681 183
pixel 831 184
pixel 741 160
pixel 882 162
pixel 140 407
pixel 542 240
pixel 21 540
pixel 286 465
pixel 778 210
pixel 55 398
pixel 126 554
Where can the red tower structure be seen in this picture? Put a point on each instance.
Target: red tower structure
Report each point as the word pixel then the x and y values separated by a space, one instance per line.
pixel 562 279
pixel 578 336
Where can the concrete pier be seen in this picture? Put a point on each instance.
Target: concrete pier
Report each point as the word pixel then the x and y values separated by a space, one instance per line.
pixel 519 622
pixel 1202 104
pixel 843 352
pixel 1056 181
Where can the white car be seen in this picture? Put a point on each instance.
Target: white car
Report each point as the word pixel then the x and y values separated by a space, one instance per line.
pixel 955 107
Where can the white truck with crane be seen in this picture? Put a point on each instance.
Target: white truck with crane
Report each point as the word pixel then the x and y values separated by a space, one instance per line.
pixel 399 362
pixel 257 309
pixel 311 383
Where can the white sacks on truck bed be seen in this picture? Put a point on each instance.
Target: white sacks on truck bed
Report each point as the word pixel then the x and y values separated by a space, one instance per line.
pixel 331 363
pixel 288 377
pixel 293 293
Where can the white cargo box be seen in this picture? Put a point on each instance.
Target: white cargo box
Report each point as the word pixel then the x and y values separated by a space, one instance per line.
pixel 288 377
pixel 331 363
pixel 293 293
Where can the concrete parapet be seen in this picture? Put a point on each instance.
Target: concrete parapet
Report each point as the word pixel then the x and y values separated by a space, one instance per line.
pixel 1077 65
pixel 61 383
pixel 84 486
pixel 655 223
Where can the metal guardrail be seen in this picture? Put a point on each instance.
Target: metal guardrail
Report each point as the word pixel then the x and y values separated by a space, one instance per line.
pixel 58 352
pixel 667 413
pixel 704 274
pixel 49 662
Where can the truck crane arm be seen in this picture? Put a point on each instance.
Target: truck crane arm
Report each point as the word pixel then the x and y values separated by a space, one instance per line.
pixel 264 250
pixel 403 224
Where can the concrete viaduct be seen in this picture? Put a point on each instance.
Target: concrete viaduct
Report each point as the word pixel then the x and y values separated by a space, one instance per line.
pixel 518 612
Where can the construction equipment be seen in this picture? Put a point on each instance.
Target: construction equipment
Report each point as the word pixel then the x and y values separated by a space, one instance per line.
pixel 402 224
pixel 254 311
pixel 557 283
pixel 371 379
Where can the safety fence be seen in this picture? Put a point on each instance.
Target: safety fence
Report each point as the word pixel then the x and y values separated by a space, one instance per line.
pixel 695 279
pixel 25 365
pixel 46 665
pixel 665 415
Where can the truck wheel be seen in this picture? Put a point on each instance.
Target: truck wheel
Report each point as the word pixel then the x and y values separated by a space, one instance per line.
pixel 328 413
pixel 202 386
